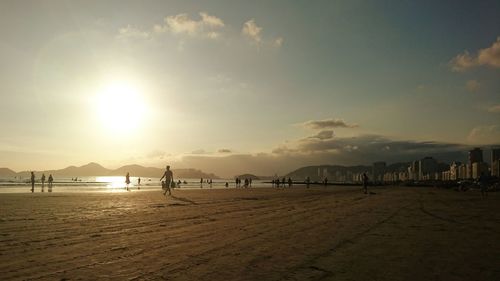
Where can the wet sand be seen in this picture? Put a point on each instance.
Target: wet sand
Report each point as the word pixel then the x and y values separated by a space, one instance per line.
pixel 252 234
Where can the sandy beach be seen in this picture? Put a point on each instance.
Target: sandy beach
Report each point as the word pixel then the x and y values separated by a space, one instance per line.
pixel 251 234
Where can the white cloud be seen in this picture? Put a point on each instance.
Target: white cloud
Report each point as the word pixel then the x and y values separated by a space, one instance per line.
pixel 472 86
pixel 488 134
pixel 207 26
pixel 211 21
pixel 488 57
pixel 252 31
pixel 183 24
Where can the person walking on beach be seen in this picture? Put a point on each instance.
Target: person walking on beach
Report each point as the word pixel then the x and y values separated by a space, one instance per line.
pixel 169 176
pixel 290 182
pixel 326 181
pixel 32 182
pixel 43 182
pixel 201 183
pixel 138 183
pixel 127 180
pixel 308 181
pixel 210 182
pixel 51 180
pixel 250 182
pixel 283 180
pixel 364 178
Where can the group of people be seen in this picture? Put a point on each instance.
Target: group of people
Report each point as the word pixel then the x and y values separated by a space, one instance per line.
pixel 127 182
pixel 50 182
pixel 208 181
pixel 277 183
pixel 247 182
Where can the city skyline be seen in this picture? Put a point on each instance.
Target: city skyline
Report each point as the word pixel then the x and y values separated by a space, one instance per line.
pixel 228 86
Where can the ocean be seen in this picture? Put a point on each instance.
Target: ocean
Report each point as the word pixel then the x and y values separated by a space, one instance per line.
pixel 109 184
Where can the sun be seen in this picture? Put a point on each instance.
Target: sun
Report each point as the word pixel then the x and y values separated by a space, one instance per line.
pixel 120 106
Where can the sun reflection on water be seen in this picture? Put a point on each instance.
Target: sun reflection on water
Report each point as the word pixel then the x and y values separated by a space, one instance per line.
pixel 114 183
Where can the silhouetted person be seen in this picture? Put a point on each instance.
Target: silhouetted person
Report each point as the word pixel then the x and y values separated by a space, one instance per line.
pixel 246 182
pixel 32 182
pixel 283 180
pixel 364 178
pixel 201 183
pixel 51 180
pixel 250 182
pixel 227 184
pixel 308 182
pixel 326 181
pixel 43 182
pixel 290 182
pixel 127 180
pixel 210 182
pixel 168 179
pixel 138 183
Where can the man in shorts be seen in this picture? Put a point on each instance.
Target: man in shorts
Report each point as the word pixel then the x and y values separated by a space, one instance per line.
pixel 168 179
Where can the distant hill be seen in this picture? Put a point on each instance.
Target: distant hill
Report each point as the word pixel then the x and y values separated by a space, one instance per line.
pixel 248 176
pixel 94 169
pixel 6 172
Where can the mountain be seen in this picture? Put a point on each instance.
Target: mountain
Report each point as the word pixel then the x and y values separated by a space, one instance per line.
pixel 6 172
pixel 94 169
pixel 248 176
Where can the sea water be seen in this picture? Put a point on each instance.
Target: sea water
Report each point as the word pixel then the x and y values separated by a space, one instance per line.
pixel 111 184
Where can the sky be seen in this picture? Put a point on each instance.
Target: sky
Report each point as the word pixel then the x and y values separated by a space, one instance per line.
pixel 231 87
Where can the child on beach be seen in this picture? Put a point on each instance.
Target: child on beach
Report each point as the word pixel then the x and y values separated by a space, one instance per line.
pixel 51 180
pixel 127 180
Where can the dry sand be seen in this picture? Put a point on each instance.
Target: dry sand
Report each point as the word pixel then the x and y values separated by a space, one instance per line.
pixel 252 234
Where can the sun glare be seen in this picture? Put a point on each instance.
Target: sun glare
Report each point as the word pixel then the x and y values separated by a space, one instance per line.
pixel 120 107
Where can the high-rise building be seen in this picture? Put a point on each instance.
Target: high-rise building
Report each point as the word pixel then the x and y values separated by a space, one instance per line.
pixel 427 168
pixel 475 156
pixel 478 169
pixel 378 171
pixel 495 161
pixel 454 171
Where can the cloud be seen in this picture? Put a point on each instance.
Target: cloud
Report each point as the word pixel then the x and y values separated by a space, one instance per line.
pixel 323 135
pixel 252 31
pixel 485 57
pixel 327 124
pixel 207 26
pixel 132 32
pixel 183 24
pixel 211 21
pixel 472 86
pixel 224 150
pixel 487 134
pixel 360 150
pixel 278 42
pixel 494 109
